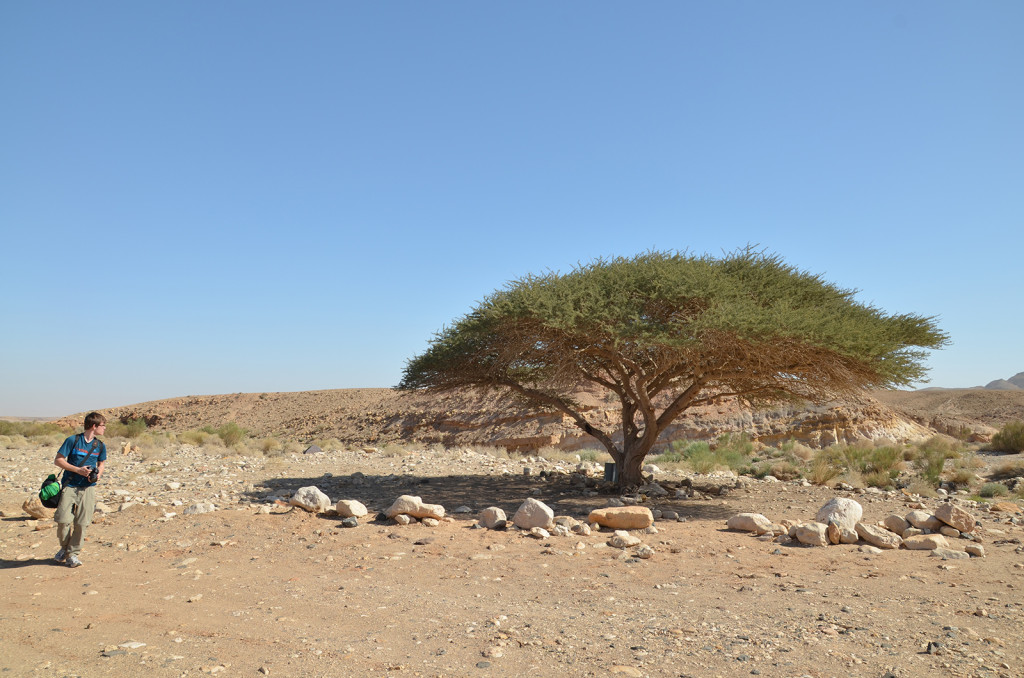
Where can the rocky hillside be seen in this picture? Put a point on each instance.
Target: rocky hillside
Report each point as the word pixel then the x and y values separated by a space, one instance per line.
pixel 381 416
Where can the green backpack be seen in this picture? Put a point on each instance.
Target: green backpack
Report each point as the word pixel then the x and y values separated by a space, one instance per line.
pixel 49 493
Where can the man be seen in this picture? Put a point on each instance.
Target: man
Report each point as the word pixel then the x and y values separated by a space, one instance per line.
pixel 82 457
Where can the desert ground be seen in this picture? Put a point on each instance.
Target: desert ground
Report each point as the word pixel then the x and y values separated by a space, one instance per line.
pixel 255 586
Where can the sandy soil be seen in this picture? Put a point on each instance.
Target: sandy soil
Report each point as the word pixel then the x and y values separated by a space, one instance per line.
pixel 238 592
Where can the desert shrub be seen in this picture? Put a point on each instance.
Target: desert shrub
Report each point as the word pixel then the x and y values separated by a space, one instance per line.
pixel 888 460
pixel 1007 470
pixel 393 450
pixel 197 438
pixel 783 470
pixel 327 444
pixel 1010 437
pixel 129 429
pixel 733 444
pixel 31 429
pixel 922 487
pixel 962 477
pixel 989 490
pixel 931 457
pixel 292 447
pixel 798 450
pixel 823 471
pixel 596 456
pixel 229 433
pixel 268 445
pixel 880 479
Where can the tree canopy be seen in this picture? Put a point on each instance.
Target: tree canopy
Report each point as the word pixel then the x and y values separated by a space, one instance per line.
pixel 695 327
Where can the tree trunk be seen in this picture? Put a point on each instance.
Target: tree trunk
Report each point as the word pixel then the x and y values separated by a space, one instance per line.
pixel 631 471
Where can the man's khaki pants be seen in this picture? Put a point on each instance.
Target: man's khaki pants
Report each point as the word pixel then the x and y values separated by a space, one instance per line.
pixel 73 515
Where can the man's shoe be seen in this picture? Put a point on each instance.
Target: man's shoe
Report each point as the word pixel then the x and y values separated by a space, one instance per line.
pixel 73 561
pixel 61 556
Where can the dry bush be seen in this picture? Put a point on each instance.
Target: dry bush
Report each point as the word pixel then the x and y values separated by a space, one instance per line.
pixel 823 471
pixel 268 445
pixel 393 450
pixel 1008 469
pixel 491 451
pixel 922 487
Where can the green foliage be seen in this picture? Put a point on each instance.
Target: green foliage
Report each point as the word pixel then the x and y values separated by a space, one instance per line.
pixel 230 433
pixel 133 428
pixel 694 326
pixel 989 490
pixel 30 429
pixel 1010 437
pixel 931 458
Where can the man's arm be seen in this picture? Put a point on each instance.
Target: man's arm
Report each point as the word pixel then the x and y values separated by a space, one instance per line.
pixel 61 462
pixel 99 468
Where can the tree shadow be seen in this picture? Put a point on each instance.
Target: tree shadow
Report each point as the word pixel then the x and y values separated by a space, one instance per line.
pixel 563 494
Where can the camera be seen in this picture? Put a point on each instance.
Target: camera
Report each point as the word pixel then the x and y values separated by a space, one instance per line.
pixel 93 475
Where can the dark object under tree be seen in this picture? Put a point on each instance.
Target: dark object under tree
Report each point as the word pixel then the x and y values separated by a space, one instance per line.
pixel 694 328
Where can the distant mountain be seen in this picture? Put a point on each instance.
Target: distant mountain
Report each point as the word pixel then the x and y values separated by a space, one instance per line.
pixel 1001 385
pixel 1012 384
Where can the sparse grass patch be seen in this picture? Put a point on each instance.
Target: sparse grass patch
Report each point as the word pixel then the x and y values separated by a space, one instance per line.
pixel 595 456
pixel 922 487
pixel 931 458
pixel 31 429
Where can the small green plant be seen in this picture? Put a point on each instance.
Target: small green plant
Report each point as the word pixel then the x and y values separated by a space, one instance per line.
pixel 30 429
pixel 931 456
pixel 989 490
pixel 1010 437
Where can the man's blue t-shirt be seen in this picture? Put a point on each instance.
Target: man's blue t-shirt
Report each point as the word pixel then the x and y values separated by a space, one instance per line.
pixel 80 453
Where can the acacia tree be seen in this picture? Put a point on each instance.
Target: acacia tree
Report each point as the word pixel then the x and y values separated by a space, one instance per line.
pixel 675 328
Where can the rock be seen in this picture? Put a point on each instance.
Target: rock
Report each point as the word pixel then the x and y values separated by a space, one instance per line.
pixel 350 508
pixel 949 554
pixel 623 517
pixel 834 533
pixel 403 519
pixel 848 536
pixel 653 490
pixel 749 522
pixel 539 533
pixel 623 540
pixel 312 449
pixel 878 536
pixel 581 529
pixel 651 468
pixel 172 486
pixel 954 516
pixel 670 515
pixel 645 552
pixel 896 524
pixel 911 532
pixel 430 522
pixel 923 520
pixel 533 513
pixel 311 499
pixel 812 534
pixel 842 511
pixel 33 506
pixel 951 532
pixel 976 550
pixel 350 521
pixel 867 548
pixel 1006 507
pixel 925 542
pixel 493 518
pixel 196 509
pixel 413 506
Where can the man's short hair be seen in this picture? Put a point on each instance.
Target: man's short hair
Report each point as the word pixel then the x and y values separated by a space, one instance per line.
pixel 94 419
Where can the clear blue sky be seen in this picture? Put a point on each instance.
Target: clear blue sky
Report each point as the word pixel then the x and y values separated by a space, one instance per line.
pixel 252 196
